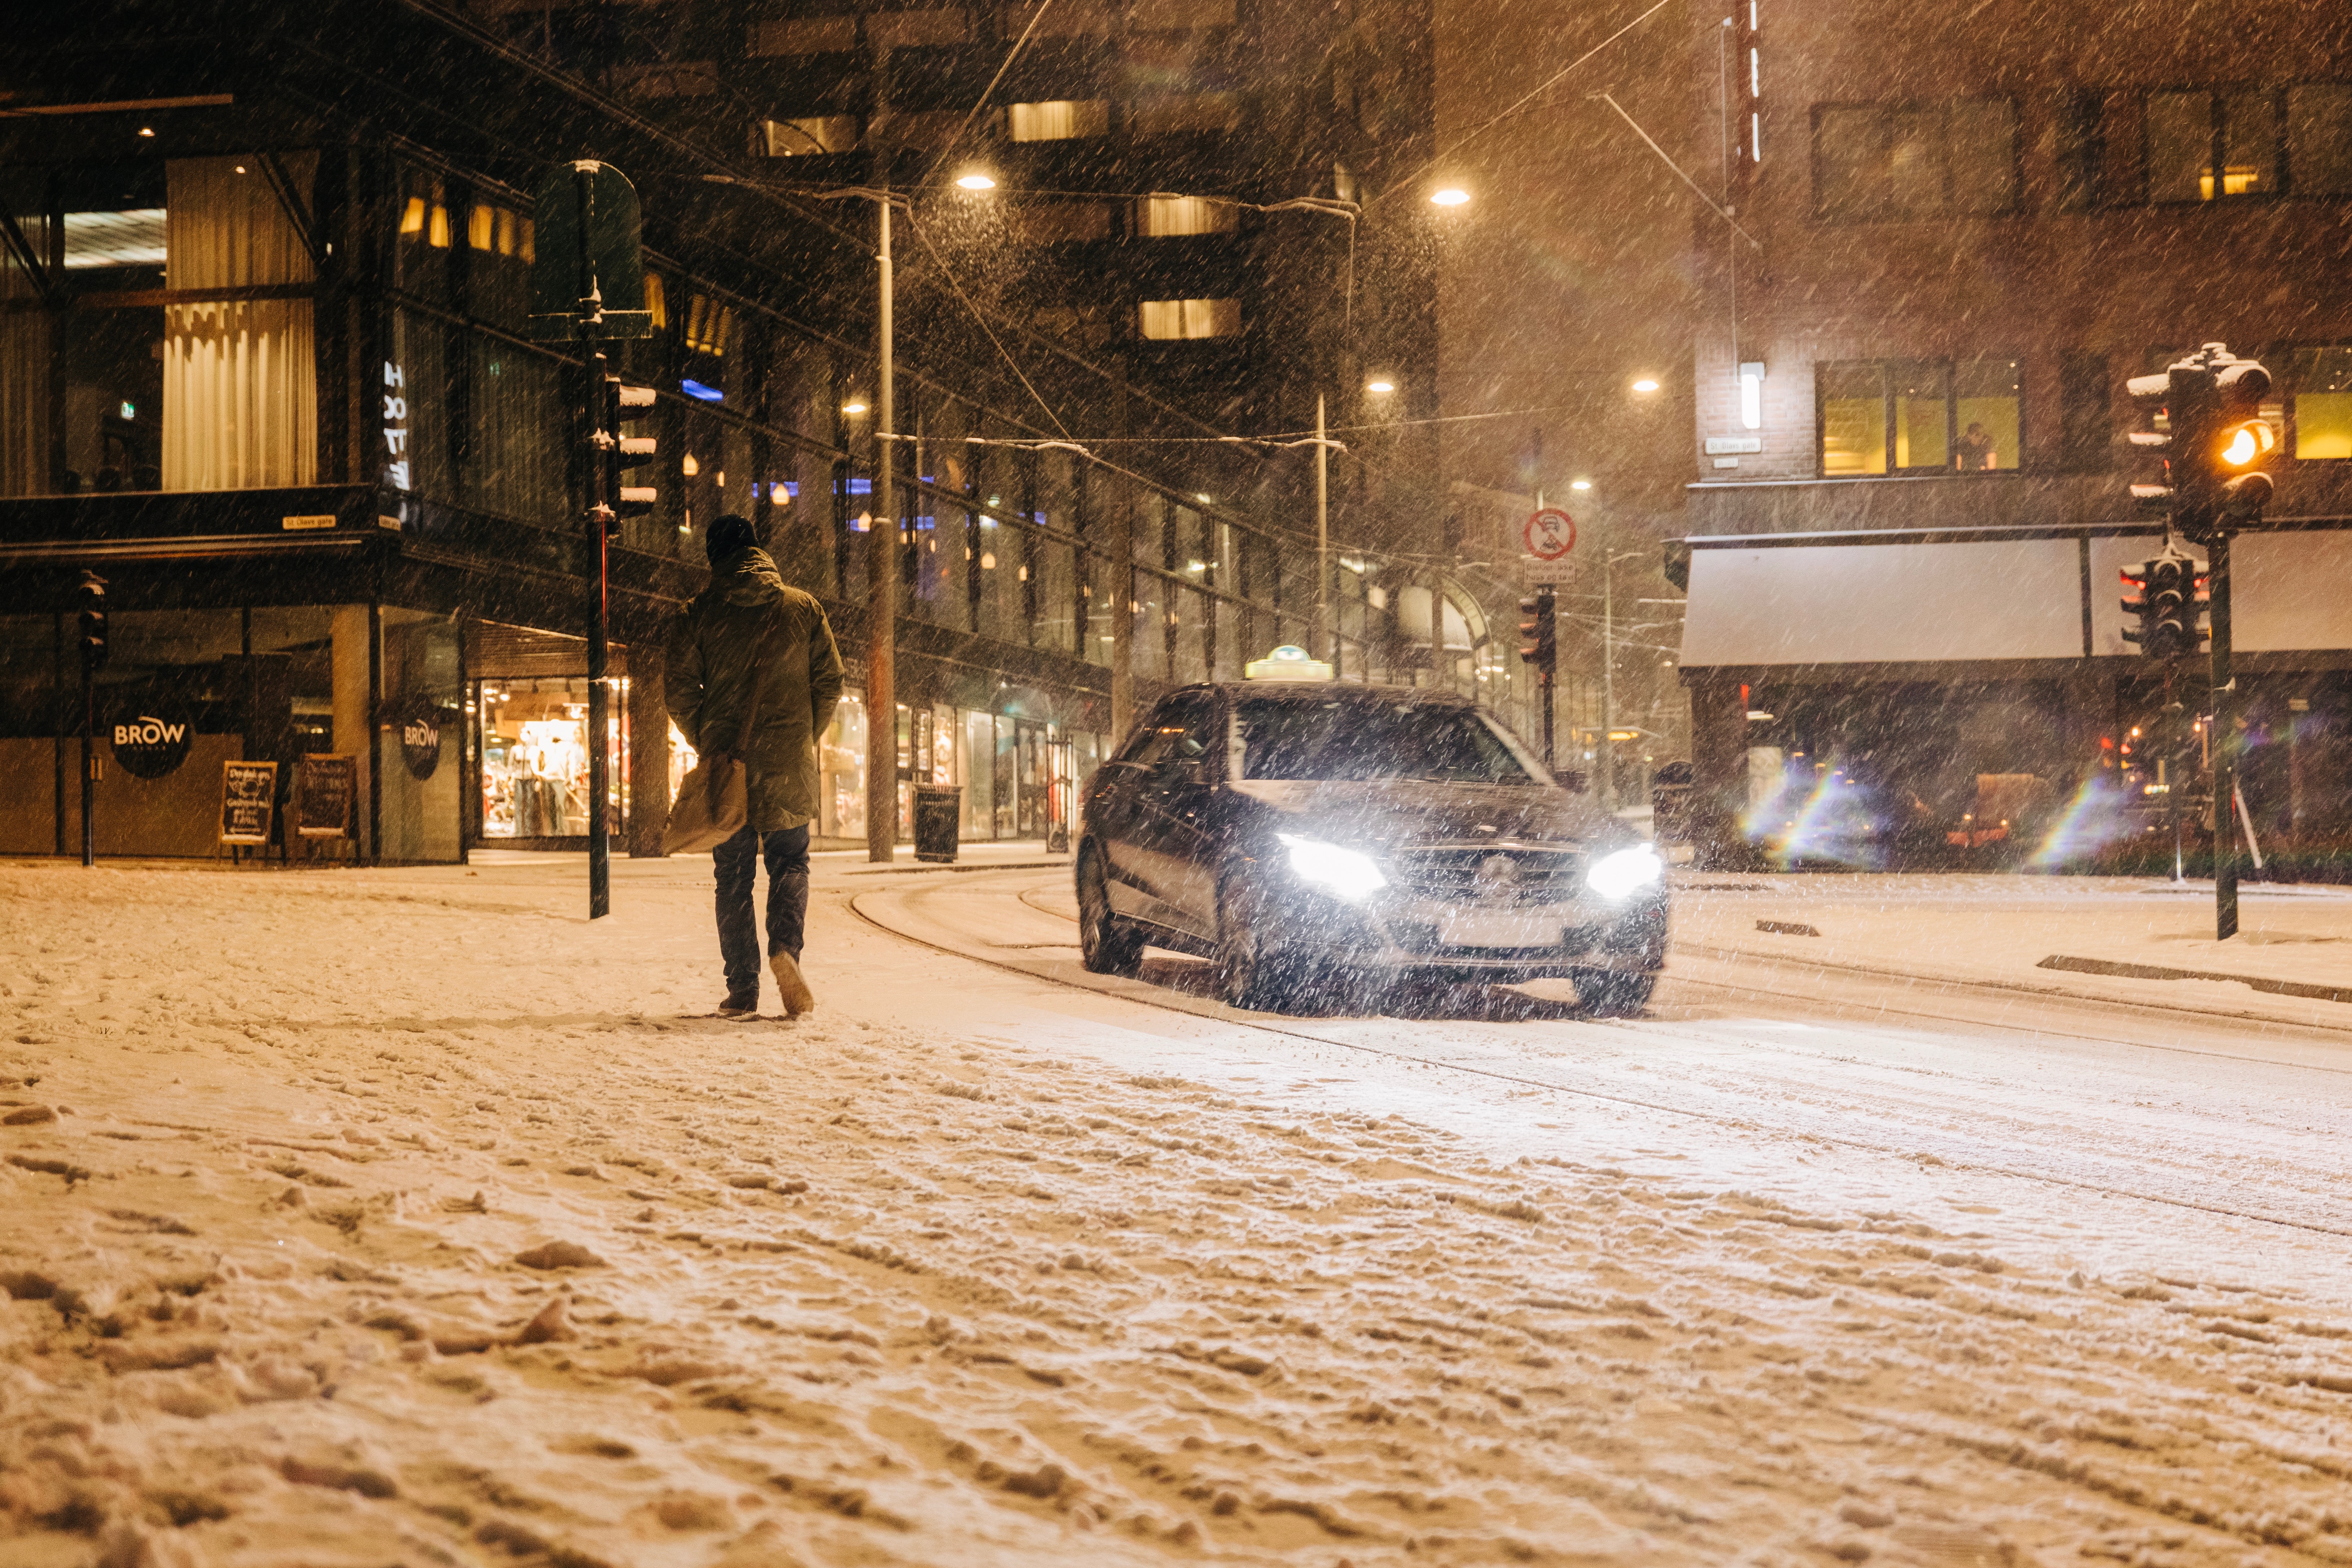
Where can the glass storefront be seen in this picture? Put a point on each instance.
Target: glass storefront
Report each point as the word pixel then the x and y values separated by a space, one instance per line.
pixel 534 759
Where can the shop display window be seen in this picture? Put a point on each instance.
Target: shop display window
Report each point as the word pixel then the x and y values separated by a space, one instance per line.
pixel 841 769
pixel 535 759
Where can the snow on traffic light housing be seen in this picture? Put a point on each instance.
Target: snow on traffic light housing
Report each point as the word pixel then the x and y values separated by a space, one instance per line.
pixel 2208 430
pixel 622 453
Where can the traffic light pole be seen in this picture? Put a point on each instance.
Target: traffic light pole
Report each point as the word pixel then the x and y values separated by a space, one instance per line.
pixel 1544 679
pixel 89 759
pixel 2225 744
pixel 599 519
pixel 600 760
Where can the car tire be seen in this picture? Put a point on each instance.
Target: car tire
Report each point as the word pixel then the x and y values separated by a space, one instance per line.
pixel 1248 976
pixel 1611 993
pixel 1106 944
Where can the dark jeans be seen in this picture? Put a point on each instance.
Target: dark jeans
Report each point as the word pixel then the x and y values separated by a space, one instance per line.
pixel 737 865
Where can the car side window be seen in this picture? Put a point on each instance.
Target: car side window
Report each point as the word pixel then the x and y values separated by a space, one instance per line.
pixel 1179 730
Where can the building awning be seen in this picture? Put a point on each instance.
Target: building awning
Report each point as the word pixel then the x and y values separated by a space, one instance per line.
pixel 499 652
pixel 1955 595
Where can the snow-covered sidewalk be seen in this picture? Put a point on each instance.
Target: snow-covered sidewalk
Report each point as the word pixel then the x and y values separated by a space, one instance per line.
pixel 358 1218
pixel 2108 938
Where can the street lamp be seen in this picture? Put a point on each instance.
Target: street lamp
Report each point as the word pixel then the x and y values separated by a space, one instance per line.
pixel 1450 196
pixel 1379 385
pixel 1646 384
pixel 974 181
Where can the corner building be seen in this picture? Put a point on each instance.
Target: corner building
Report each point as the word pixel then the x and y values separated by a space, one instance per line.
pixel 1911 507
pixel 266 367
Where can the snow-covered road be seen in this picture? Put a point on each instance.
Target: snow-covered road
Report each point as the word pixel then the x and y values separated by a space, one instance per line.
pixel 2212 1113
pixel 361 1218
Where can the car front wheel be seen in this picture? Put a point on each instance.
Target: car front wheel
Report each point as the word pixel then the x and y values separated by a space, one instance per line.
pixel 1249 976
pixel 1609 993
pixel 1105 945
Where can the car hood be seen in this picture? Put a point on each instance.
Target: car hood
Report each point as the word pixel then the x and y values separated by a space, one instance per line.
pixel 1395 813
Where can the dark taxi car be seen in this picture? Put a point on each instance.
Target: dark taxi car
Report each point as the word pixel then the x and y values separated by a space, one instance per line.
pixel 1319 841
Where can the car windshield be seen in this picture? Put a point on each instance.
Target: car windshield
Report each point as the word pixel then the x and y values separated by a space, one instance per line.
pixel 1358 741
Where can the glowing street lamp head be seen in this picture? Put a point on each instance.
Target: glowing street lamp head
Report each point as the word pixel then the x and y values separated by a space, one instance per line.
pixel 975 181
pixel 1380 384
pixel 1646 384
pixel 1579 484
pixel 1450 196
pixel 853 408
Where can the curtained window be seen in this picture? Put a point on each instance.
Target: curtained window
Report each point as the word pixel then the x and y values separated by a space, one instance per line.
pixel 241 380
pixel 23 361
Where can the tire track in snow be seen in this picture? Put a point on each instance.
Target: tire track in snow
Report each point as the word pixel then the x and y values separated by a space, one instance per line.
pixel 1143 994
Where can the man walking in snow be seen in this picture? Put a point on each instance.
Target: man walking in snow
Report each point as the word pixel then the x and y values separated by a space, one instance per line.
pixel 750 645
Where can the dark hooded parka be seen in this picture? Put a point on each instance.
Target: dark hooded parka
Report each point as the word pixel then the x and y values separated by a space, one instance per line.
pixel 714 649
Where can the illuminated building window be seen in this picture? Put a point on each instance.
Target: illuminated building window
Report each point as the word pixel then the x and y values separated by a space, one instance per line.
pixel 2321 383
pixel 1918 417
pixel 1170 319
pixel 1161 217
pixel 1063 119
pixel 2185 130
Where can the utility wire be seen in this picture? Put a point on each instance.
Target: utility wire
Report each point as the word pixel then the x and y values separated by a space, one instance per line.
pixel 942 263
pixel 1015 53
pixel 1712 205
pixel 1545 86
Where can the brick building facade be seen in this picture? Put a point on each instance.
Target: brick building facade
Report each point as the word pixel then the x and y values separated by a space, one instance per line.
pixel 1954 233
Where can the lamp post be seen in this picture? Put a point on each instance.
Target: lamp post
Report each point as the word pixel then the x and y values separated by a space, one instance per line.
pixel 1608 676
pixel 882 570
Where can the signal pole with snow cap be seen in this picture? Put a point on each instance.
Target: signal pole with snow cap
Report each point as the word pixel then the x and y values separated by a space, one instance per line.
pixel 2212 445
pixel 588 285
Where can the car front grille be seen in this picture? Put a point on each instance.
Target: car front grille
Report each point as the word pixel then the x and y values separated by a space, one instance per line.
pixel 1422 937
pixel 1534 876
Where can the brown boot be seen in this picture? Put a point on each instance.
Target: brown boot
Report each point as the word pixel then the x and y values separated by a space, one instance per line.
pixel 797 997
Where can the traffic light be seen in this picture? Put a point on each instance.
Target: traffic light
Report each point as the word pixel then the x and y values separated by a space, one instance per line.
pixel 2169 607
pixel 2212 441
pixel 1539 630
pixel 622 453
pixel 90 595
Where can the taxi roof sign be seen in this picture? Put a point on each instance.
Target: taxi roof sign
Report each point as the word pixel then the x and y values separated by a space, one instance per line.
pixel 1287 664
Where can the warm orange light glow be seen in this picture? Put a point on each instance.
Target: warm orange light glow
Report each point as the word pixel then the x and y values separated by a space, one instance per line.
pixel 2247 442
pixel 1379 386
pixel 975 182
pixel 1646 384
pixel 1452 196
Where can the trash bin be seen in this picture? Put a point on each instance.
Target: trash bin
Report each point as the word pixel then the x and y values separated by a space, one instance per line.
pixel 938 821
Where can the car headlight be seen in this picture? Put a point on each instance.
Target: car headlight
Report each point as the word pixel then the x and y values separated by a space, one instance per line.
pixel 1626 872
pixel 1345 874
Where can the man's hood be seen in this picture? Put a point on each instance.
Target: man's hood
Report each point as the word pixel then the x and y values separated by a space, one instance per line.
pixel 748 576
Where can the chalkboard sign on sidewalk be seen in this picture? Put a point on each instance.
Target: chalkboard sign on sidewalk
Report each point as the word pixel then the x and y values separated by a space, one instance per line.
pixel 249 797
pixel 324 789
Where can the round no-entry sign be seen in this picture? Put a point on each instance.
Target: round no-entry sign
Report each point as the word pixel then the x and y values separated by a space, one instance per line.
pixel 1551 534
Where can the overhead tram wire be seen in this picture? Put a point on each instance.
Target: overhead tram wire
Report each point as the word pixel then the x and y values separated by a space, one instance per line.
pixel 1713 206
pixel 965 301
pixel 987 92
pixel 723 171
pixel 1521 103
